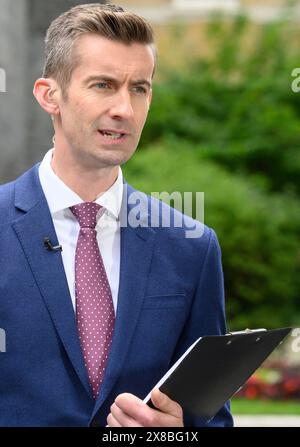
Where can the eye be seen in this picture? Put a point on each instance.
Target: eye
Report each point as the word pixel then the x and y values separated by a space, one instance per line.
pixel 101 85
pixel 139 89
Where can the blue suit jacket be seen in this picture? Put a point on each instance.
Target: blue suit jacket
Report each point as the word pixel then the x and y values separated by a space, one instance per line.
pixel 171 292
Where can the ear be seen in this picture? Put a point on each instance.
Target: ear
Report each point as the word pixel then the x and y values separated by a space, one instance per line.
pixel 46 93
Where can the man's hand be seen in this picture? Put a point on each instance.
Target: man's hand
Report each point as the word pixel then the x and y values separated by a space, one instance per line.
pixel 130 411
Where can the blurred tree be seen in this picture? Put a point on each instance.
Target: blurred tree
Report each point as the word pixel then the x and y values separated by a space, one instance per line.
pixel 259 233
pixel 237 102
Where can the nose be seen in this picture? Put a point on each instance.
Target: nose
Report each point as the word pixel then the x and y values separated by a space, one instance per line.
pixel 121 107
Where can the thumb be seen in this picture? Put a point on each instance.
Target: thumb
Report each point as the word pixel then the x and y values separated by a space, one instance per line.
pixel 163 403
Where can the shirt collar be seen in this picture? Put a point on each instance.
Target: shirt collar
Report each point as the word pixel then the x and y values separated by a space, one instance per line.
pixel 60 197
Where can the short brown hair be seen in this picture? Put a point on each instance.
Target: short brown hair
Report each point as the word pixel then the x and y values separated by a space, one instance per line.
pixel 109 21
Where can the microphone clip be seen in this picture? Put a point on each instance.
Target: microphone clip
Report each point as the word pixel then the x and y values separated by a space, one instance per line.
pixel 48 245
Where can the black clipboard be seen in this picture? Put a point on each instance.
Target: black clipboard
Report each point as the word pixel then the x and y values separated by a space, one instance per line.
pixel 214 368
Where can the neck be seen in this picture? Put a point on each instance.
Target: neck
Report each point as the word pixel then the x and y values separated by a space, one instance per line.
pixel 86 183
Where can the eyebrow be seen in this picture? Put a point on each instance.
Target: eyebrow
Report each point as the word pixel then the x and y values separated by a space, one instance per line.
pixel 115 81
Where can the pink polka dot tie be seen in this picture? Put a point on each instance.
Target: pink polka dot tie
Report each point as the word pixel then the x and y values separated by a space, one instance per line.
pixel 94 305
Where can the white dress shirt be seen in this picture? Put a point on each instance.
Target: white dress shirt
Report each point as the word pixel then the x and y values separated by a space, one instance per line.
pixel 60 198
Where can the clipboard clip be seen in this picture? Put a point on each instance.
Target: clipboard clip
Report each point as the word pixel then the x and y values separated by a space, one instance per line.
pixel 247 331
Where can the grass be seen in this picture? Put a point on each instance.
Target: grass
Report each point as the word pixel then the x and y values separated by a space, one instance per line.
pixel 246 406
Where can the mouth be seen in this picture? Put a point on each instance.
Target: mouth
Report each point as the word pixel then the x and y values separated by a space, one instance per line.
pixel 112 135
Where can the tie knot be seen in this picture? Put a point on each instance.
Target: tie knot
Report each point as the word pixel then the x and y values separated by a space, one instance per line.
pixel 86 214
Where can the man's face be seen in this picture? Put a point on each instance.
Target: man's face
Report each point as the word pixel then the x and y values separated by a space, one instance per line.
pixel 107 103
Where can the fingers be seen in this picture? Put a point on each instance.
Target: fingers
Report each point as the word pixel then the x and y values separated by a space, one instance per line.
pixel 112 421
pixel 130 411
pixel 119 417
pixel 133 408
pixel 165 404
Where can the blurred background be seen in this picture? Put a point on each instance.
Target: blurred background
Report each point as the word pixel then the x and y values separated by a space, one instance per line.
pixel 225 119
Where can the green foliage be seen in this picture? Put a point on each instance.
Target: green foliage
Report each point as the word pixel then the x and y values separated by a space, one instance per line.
pixel 258 232
pixel 228 123
pixel 237 102
pixel 246 406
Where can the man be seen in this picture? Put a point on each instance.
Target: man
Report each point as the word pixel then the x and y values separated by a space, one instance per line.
pixel 96 309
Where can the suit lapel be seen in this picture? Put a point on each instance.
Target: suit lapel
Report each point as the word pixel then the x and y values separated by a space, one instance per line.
pixel 33 225
pixel 136 254
pixel 46 266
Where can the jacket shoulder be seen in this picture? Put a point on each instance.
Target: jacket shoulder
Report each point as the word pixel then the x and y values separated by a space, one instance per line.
pixel 6 195
pixel 20 189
